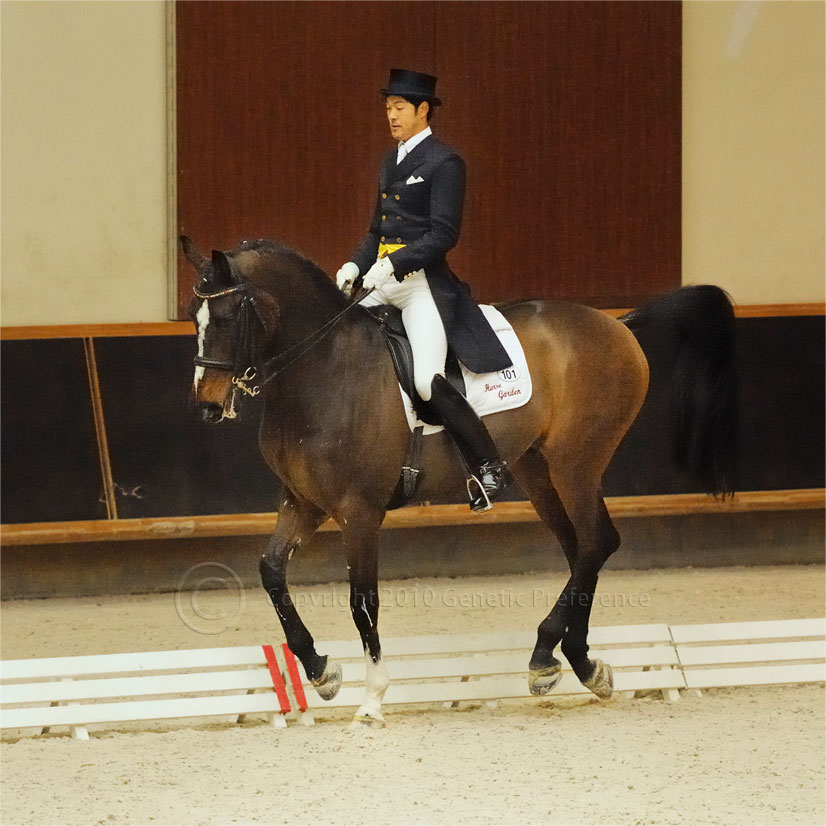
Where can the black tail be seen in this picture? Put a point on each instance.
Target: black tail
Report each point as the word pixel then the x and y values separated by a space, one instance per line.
pixel 704 396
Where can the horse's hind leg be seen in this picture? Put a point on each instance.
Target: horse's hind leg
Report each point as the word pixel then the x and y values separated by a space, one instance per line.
pixel 297 521
pixel 533 476
pixel 575 512
pixel 594 674
pixel 361 545
pixel 594 407
pixel 597 539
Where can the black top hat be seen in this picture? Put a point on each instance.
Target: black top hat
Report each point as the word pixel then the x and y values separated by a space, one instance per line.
pixel 406 83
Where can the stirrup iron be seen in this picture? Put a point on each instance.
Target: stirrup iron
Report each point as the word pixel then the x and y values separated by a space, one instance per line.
pixel 474 500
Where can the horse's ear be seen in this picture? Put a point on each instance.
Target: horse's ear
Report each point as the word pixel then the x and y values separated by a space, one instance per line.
pixel 266 307
pixel 191 253
pixel 222 270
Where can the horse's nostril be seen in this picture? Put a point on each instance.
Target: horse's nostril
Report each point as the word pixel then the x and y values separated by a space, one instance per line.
pixel 211 411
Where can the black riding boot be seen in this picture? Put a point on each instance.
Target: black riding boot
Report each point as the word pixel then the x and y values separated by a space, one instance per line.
pixel 488 474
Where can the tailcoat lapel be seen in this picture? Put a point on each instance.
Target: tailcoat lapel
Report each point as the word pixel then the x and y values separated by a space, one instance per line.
pixel 406 167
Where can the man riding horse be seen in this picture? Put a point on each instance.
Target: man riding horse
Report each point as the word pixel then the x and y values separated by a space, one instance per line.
pixel 416 221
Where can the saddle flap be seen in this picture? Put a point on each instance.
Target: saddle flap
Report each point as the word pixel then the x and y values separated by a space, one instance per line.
pixel 389 319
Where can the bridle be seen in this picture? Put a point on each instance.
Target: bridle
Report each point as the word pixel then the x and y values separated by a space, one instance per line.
pixel 243 348
pixel 244 357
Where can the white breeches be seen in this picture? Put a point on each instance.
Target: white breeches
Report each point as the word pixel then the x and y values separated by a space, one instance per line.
pixel 421 321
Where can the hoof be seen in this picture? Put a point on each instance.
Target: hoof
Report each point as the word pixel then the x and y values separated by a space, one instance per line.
pixel 361 722
pixel 601 681
pixel 328 684
pixel 544 679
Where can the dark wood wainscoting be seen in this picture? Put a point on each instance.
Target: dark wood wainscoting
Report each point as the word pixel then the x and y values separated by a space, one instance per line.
pixel 568 114
pixel 64 435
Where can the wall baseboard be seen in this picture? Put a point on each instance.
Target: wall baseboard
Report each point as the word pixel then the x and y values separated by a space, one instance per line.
pixel 416 516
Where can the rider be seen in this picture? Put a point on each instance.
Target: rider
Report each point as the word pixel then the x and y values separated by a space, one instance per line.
pixel 416 222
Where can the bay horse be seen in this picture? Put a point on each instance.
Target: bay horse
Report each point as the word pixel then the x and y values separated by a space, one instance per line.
pixel 334 432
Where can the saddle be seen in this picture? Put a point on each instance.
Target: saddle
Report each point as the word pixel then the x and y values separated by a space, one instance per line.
pixel 389 319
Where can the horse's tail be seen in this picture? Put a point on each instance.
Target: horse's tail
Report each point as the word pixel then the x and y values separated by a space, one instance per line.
pixel 704 394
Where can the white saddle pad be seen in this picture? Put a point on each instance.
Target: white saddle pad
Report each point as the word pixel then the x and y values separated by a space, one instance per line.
pixel 488 392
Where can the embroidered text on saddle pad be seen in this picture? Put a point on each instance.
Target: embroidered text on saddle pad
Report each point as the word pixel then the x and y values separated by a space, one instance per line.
pixel 489 392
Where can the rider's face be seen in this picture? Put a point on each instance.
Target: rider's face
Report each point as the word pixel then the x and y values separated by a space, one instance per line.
pixel 404 119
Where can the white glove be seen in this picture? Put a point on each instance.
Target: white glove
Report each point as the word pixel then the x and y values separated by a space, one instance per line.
pixel 346 276
pixel 378 273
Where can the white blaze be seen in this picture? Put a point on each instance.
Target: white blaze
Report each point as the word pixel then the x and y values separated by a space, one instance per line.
pixel 231 413
pixel 202 318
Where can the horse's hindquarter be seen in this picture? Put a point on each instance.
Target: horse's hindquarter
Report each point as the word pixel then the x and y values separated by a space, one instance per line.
pixel 589 378
pixel 589 375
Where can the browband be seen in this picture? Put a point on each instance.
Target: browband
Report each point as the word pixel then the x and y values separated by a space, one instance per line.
pixel 236 289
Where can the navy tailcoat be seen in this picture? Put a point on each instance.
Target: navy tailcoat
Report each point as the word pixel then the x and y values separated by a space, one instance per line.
pixel 419 204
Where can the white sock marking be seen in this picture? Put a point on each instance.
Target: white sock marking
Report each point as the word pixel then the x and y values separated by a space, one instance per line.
pixel 376 682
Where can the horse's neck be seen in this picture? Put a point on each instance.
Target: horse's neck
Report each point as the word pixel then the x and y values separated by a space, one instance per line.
pixel 303 310
pixel 295 326
pixel 313 382
pixel 317 379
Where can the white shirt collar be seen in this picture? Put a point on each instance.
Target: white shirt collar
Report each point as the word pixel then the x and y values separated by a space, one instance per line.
pixel 412 143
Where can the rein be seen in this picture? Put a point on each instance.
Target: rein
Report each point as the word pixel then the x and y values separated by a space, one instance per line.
pixel 278 363
pixel 274 366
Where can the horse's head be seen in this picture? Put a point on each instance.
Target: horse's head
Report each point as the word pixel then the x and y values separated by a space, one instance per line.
pixel 234 320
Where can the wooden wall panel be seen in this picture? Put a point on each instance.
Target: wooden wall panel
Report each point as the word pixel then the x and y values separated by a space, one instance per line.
pixel 280 123
pixel 570 117
pixel 50 460
pixel 780 369
pixel 165 460
pixel 568 114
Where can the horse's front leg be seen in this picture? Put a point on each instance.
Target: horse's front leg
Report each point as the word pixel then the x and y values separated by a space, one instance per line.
pixel 298 520
pixel 361 545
